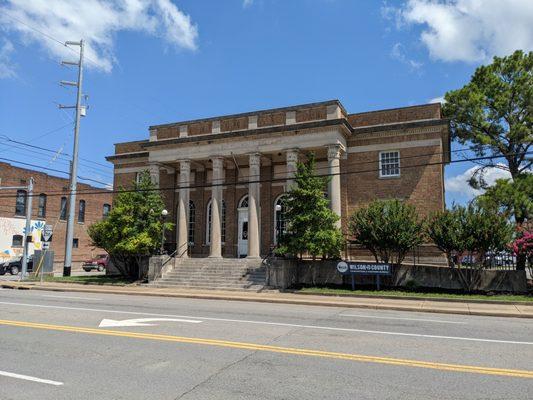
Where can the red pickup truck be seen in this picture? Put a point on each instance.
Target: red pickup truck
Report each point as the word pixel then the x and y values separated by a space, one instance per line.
pixel 99 263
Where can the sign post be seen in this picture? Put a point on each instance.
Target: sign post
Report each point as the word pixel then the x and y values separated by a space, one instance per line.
pixel 364 268
pixel 46 236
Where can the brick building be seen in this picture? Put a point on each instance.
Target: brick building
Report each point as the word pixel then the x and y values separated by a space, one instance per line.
pixel 223 178
pixel 50 196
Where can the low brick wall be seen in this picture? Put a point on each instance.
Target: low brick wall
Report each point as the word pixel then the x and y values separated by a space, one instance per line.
pixel 285 273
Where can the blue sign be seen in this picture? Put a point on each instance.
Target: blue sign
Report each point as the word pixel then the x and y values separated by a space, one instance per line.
pixel 364 268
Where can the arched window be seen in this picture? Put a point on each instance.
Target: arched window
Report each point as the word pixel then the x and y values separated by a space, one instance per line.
pixel 20 203
pixel 222 222
pixel 17 241
pixel 63 209
pixel 81 211
pixel 106 210
pixel 244 202
pixel 280 221
pixel 192 220
pixel 41 211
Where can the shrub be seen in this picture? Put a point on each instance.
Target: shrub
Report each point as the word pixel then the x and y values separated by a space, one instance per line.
pixel 388 229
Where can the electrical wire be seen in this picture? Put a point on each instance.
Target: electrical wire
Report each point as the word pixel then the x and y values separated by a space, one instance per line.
pixel 52 170
pixel 271 180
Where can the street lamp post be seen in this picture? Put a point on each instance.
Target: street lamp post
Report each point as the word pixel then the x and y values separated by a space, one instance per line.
pixel 164 213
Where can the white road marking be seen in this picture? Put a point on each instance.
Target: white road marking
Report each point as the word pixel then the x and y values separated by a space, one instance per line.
pixel 440 321
pixel 107 323
pixel 70 297
pixel 30 378
pixel 330 328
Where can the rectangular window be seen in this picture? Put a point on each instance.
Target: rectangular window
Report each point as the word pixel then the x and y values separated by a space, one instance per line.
pixel 20 203
pixel 106 210
pixel 81 211
pixel 63 210
pixel 41 212
pixel 75 243
pixel 17 241
pixel 389 164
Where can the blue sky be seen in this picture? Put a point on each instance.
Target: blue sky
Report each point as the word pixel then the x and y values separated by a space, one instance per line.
pixel 157 61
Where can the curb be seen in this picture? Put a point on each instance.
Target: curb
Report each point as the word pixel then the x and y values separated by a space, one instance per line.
pixel 422 298
pixel 264 300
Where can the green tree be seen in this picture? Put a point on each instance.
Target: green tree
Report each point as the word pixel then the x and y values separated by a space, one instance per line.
pixel 311 228
pixel 493 113
pixel 474 229
pixel 512 198
pixel 446 230
pixel 133 228
pixel 388 229
pixel 485 231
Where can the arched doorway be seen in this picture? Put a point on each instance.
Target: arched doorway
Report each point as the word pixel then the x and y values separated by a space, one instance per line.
pixel 242 242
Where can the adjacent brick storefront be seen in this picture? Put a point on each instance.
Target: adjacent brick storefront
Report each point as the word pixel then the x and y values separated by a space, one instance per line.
pixel 53 190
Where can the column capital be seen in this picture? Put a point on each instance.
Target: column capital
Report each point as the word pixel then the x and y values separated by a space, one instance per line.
pixel 254 158
pixel 292 154
pixel 218 162
pixel 185 165
pixel 334 150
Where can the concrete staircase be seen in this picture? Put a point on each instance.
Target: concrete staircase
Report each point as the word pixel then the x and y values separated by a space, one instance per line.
pixel 214 274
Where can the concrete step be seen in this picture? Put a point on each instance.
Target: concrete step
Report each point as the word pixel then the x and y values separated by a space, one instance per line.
pixel 216 274
pixel 210 281
pixel 206 286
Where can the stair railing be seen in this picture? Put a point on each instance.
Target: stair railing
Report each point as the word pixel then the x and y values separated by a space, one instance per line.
pixel 171 256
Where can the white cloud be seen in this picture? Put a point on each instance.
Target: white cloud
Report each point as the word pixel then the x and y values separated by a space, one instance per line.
pixel 398 53
pixel 459 184
pixel 6 67
pixel 247 3
pixel 439 99
pixel 97 22
pixel 470 30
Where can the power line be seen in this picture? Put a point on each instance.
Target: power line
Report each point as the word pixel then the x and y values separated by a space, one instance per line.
pixel 53 151
pixel 271 180
pixel 52 170
pixel 64 161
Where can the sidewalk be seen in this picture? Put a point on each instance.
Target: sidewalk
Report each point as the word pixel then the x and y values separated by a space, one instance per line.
pixel 376 303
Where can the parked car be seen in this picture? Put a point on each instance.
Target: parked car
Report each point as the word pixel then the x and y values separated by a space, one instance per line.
pixel 501 259
pixel 99 263
pixel 14 265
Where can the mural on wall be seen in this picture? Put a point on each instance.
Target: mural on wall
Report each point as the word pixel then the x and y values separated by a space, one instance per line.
pixel 12 229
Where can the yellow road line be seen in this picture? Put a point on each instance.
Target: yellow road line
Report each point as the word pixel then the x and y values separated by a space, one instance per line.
pixel 277 349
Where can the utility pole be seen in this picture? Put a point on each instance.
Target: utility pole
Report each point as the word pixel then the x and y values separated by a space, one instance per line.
pixel 25 243
pixel 29 198
pixel 74 166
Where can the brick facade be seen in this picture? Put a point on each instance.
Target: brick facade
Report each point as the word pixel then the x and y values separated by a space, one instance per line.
pixel 54 188
pixel 418 133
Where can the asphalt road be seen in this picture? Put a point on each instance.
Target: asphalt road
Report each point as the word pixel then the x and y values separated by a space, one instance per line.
pixel 88 346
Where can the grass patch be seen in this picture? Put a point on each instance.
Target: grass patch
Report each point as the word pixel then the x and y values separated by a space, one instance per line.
pixel 403 293
pixel 91 280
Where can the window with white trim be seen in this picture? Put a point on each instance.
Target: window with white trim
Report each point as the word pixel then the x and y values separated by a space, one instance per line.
pixel 280 220
pixel 389 164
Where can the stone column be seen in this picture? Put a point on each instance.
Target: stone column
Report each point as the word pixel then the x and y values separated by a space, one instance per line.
pixel 216 208
pixel 292 159
pixel 254 205
pixel 334 153
pixel 183 208
pixel 154 173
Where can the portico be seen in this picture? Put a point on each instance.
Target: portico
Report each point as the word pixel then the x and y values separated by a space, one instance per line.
pixel 241 173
